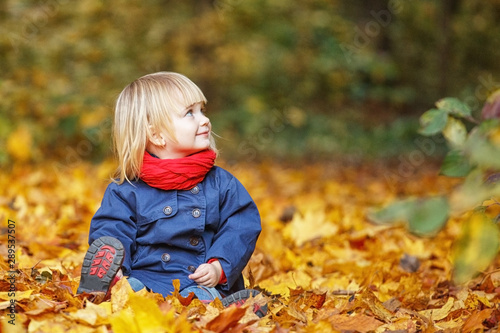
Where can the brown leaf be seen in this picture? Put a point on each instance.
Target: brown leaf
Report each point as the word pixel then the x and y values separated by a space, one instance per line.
pixel 377 307
pixel 319 280
pixel 494 320
pixel 307 298
pixel 409 263
pixel 392 304
pixel 487 285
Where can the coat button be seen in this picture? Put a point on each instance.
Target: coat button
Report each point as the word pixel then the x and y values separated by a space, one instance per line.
pixel 195 190
pixel 196 212
pixel 192 269
pixel 165 257
pixel 167 210
pixel 194 241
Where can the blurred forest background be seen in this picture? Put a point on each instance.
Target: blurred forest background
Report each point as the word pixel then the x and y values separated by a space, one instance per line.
pixel 284 79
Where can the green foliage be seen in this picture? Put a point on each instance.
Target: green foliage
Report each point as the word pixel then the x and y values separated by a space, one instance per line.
pixel 433 122
pixel 474 155
pixel 424 216
pixel 455 164
pixel 482 145
pixel 477 246
pixel 64 63
pixel 453 107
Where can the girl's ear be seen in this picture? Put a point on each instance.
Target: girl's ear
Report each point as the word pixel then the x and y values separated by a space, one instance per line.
pixel 157 138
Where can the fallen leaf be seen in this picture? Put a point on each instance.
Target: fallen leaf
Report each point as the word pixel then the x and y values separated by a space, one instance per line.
pixel 475 321
pixel 356 323
pixel 441 313
pixel 314 281
pixel 311 226
pixel 227 319
pixel 409 263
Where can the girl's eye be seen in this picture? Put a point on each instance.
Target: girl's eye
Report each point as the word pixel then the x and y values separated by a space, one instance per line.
pixel 189 113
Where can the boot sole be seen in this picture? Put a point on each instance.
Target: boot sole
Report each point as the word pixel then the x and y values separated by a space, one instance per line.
pixel 100 265
pixel 239 297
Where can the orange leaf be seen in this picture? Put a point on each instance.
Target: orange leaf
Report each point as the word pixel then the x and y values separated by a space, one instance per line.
pixel 358 323
pixel 309 298
pixel 227 319
pixel 185 301
pixel 475 321
pixel 378 309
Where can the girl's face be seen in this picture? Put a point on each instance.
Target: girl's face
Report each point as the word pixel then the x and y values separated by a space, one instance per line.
pixel 192 130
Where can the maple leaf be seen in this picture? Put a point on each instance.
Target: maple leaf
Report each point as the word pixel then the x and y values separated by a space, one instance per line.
pixel 141 313
pixel 307 299
pixel 345 274
pixel 356 323
pixel 313 225
pixel 475 321
pixel 185 301
pixel 228 321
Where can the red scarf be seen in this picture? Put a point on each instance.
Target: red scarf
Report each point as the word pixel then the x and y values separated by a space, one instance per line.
pixel 176 174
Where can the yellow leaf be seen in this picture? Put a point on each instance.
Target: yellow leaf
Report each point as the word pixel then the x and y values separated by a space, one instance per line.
pixel 9 327
pixel 283 282
pixel 313 225
pixel 93 314
pixel 120 294
pixel 438 314
pixel 19 144
pixel 124 322
pixel 20 295
pixel 450 325
pixel 476 248
pixel 147 314
pixel 143 314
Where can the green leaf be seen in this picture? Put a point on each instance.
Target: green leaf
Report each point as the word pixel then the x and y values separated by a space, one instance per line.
pixel 486 126
pixel 481 150
pixel 455 164
pixel 429 215
pixel 423 216
pixel 473 192
pixel 432 122
pixel 476 248
pixel 455 132
pixel 396 211
pixel 454 107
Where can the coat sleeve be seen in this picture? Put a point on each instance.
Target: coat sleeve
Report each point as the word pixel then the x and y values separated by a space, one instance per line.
pixel 116 218
pixel 238 231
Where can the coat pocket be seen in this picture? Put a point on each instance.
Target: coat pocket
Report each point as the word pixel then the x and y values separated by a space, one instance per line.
pixel 157 207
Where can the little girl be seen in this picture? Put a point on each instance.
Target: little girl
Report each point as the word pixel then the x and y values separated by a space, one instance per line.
pixel 170 213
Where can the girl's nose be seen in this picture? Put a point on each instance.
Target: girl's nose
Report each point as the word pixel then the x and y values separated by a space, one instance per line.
pixel 204 120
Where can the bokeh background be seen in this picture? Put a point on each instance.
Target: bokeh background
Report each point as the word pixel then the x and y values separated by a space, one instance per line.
pixel 316 104
pixel 309 80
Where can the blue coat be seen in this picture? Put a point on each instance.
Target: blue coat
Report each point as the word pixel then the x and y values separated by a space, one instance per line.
pixel 168 234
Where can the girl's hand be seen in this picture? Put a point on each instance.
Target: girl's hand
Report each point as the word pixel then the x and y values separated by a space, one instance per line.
pixel 207 275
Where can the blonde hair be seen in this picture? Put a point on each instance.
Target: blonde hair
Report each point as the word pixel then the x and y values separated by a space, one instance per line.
pixel 144 107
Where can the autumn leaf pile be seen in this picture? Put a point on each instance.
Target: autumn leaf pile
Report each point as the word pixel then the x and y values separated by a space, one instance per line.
pixel 321 264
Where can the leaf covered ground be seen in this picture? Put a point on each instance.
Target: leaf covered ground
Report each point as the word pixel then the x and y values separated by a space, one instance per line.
pixel 321 264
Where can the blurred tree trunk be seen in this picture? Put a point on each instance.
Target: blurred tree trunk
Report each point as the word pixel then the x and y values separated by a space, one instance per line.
pixel 449 10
